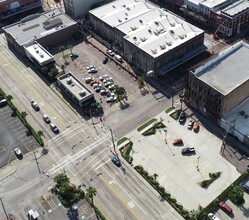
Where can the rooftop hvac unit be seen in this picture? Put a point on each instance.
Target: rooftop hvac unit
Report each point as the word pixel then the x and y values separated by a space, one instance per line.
pixel 154 51
pixel 37 51
pixel 181 36
pixel 41 55
pixel 82 93
pixel 69 80
pixel 172 24
pixel 143 39
pixel 162 46
pixel 169 43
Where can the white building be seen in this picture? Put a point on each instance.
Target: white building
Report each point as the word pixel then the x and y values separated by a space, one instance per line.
pixel 77 9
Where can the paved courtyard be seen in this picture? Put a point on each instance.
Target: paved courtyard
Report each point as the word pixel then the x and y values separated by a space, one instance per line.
pixel 179 174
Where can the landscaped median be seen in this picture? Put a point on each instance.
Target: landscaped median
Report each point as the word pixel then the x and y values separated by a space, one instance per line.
pixel 22 117
pixel 125 148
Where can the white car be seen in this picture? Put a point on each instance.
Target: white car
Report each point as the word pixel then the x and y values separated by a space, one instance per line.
pixel 46 119
pixel 92 70
pixel 54 128
pixel 90 67
pixel 18 152
pixel 111 99
pixel 110 52
pixel 211 216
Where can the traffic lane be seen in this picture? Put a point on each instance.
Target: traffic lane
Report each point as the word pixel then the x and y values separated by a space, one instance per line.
pixel 109 201
pixel 139 194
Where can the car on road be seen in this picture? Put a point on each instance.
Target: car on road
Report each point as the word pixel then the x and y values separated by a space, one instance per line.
pixel 226 208
pixel 92 70
pixel 196 127
pixel 111 99
pixel 54 128
pixel 3 102
pixel 110 52
pixel 190 125
pixel 18 152
pixel 35 105
pixel 188 150
pixel 177 141
pixel 211 216
pixel 116 161
pixel 46 119
pixel 91 67
pixel 105 60
pixel 182 117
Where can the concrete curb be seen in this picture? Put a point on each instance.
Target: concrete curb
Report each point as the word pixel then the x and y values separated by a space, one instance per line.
pixel 6 172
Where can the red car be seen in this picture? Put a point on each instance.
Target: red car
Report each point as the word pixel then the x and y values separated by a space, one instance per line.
pixel 226 208
pixel 196 127
pixel 177 141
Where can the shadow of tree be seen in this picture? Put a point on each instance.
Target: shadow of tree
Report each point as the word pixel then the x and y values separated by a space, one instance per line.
pixel 72 213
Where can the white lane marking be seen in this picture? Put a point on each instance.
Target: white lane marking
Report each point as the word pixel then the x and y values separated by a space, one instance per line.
pixel 102 164
pixel 124 191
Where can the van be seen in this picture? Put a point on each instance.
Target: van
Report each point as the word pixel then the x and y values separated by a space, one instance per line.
pixel 119 58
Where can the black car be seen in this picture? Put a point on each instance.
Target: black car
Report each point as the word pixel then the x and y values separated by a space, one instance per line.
pixel 188 150
pixel 105 60
pixel 116 161
pixel 182 117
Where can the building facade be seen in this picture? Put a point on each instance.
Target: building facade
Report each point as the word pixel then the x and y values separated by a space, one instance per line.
pixel 148 37
pixel 9 8
pixel 222 84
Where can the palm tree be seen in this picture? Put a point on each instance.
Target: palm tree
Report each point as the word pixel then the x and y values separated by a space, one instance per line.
pixel 90 193
pixel 40 133
pixel 120 92
pixel 141 83
pixel 155 176
pixel 24 114
pixel 62 49
pixel 193 214
pixel 70 47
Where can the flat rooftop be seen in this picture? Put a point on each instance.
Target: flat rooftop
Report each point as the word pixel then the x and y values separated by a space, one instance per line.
pixel 238 120
pixel 36 26
pixel 228 70
pixel 148 27
pixel 236 8
pixel 39 53
pixel 212 3
pixel 73 84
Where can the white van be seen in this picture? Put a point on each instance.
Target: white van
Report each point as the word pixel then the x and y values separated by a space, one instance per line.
pixel 88 79
pixel 119 58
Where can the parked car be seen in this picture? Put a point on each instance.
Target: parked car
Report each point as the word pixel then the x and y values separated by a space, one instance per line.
pixel 110 52
pixel 103 92
pixel 3 102
pixel 46 119
pixel 190 125
pixel 111 87
pixel 94 82
pixel 90 67
pixel 98 89
pixel 211 216
pixel 35 105
pixel 188 150
pixel 245 185
pixel 18 152
pixel 89 79
pixel 105 60
pixel 116 161
pixel 74 55
pixel 54 128
pixel 226 208
pixel 95 85
pixel 177 141
pixel 196 127
pixel 182 117
pixel 92 70
pixel 107 84
pixel 111 99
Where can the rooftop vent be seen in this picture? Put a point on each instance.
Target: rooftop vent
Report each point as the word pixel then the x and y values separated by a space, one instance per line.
pixel 162 46
pixel 156 32
pixel 128 8
pixel 156 23
pixel 119 20
pixel 172 24
pixel 181 36
pixel 37 51
pixel 140 21
pixel 154 51
pixel 82 93
pixel 150 31
pixel 113 6
pixel 133 28
pixel 135 38
pixel 246 116
pixel 143 39
pixel 172 32
pixel 69 80
pixel 126 14
pixel 124 6
pixel 169 43
pixel 41 55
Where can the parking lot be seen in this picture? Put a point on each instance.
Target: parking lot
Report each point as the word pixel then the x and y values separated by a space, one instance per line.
pixel 181 174
pixel 13 134
pixel 88 55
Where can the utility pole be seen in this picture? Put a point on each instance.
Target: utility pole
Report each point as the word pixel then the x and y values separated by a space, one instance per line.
pixel 37 163
pixel 6 214
pixel 114 147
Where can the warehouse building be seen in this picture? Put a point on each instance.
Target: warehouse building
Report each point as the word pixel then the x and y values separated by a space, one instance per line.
pixel 148 37
pixel 220 89
pixel 72 86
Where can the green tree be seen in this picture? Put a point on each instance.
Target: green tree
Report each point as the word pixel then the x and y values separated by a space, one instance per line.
pixel 193 214
pixel 67 194
pixel 53 73
pixel 40 133
pixel 23 115
pixel 44 70
pixel 236 195
pixel 90 193
pixel 155 176
pixel 9 97
pixel 141 82
pixel 120 92
pixel 63 68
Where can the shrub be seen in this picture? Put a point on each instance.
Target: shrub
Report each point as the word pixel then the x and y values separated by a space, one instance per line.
pixel 169 109
pixel 236 195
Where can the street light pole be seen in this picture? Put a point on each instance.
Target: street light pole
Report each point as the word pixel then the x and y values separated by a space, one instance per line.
pixel 37 163
pixel 114 147
pixel 197 167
